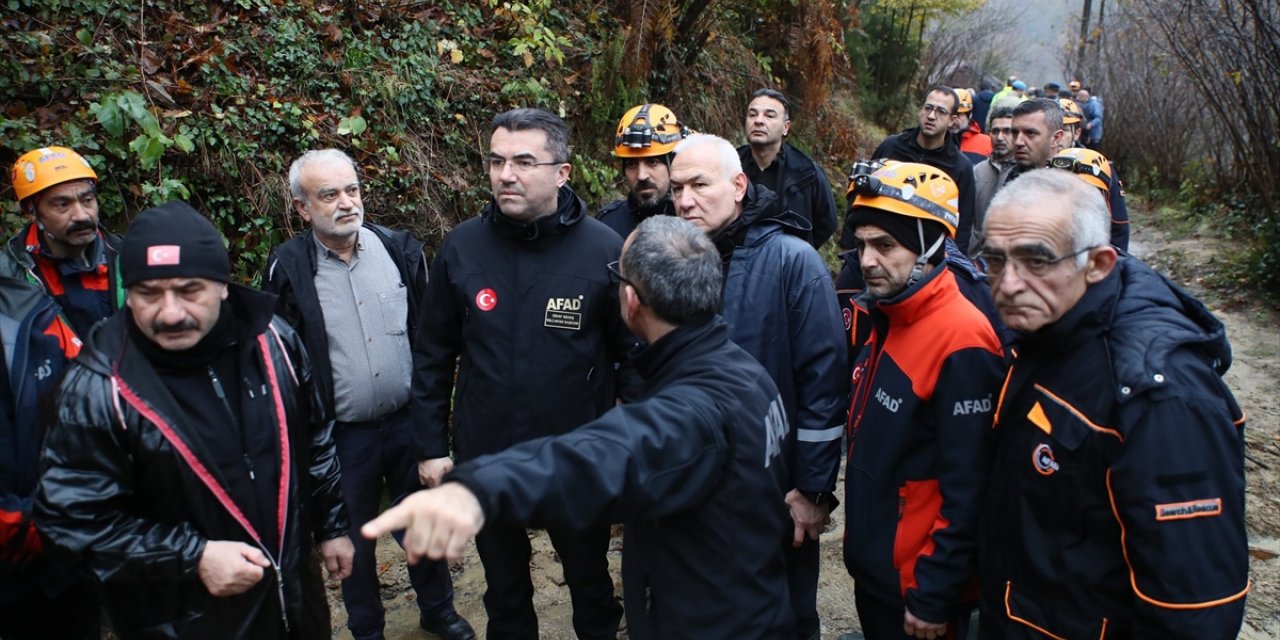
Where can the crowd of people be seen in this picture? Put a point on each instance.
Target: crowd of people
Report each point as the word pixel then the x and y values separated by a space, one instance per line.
pixel 1032 420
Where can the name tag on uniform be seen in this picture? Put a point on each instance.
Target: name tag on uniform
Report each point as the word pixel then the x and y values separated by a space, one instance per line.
pixel 563 313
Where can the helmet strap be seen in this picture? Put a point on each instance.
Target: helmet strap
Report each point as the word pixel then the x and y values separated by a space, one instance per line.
pixel 917 270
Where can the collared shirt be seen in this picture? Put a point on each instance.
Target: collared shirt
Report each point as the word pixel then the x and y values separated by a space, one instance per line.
pixel 366 313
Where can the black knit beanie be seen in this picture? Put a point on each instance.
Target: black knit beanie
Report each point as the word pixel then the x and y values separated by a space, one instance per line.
pixel 173 241
pixel 902 228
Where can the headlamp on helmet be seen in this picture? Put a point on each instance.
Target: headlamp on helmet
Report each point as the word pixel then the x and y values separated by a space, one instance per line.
pixel 646 131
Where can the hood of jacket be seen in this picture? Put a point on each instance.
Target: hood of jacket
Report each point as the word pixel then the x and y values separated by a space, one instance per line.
pixel 1144 318
pixel 761 215
pixel 570 209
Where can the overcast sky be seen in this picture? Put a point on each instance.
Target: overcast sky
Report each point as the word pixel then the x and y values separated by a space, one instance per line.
pixel 1044 23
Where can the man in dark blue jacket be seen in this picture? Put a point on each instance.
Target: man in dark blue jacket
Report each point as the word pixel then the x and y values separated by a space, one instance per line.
pixel 781 308
pixel 1118 442
pixel 352 289
pixel 694 466
pixel 43 592
pixel 800 184
pixel 646 136
pixel 520 305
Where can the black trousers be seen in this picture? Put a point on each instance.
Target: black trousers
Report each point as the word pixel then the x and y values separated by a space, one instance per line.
pixel 802 582
pixel 378 456
pixel 73 614
pixel 508 599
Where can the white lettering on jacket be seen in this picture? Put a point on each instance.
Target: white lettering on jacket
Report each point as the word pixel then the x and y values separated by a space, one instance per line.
pixel 775 429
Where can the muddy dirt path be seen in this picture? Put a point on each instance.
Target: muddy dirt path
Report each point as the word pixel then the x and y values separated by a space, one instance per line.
pixel 1254 332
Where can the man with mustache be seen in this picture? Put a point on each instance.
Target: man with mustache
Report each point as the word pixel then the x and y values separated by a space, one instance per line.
pixel 1115 505
pixel 647 134
pixel 924 386
pixel 990 174
pixel 521 307
pixel 191 463
pixel 800 184
pixel 351 289
pixel 63 248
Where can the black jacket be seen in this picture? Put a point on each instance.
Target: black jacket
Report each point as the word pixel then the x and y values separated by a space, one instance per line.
pixel 1115 507
pixel 137 494
pixel 528 317
pixel 623 216
pixel 903 147
pixel 291 272
pixel 804 189
pixel 93 296
pixel 694 467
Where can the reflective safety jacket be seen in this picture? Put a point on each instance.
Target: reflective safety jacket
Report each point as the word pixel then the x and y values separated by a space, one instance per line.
pixel 694 467
pixel 925 388
pixel 1116 502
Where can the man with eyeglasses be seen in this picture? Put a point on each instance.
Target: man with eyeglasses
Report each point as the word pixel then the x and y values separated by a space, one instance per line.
pixel 929 143
pixel 694 465
pixel 924 386
pixel 781 308
pixel 64 249
pixel 1119 444
pixel 519 304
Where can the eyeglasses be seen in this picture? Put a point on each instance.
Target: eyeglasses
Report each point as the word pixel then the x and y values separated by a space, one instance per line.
pixel 1028 264
pixel 616 277
pixel 519 165
pixel 934 109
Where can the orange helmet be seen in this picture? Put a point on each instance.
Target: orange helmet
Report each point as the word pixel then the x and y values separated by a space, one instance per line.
pixel 1088 165
pixel 1071 113
pixel 40 169
pixel 907 188
pixel 965 104
pixel 648 130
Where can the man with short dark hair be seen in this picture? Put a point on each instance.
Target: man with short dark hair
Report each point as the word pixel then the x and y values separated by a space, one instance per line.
pixel 694 465
pixel 191 462
pixel 1117 439
pixel 351 289
pixel 1037 131
pixel 518 304
pixel 928 143
pixel 800 184
pixel 781 308
pixel 64 249
pixel 990 174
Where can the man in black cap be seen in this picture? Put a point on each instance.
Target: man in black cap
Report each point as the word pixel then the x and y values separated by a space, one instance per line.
pixel 190 462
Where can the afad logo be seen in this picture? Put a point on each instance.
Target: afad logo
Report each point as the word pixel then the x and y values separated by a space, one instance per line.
pixel 1042 459
pixel 486 300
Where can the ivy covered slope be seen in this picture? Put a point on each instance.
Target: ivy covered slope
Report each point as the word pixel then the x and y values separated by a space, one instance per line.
pixel 210 101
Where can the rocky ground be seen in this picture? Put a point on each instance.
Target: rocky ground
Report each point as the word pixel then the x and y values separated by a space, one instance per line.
pixel 1255 378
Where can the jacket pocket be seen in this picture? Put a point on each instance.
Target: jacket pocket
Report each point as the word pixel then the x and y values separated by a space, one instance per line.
pixel 395 310
pixel 1024 610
